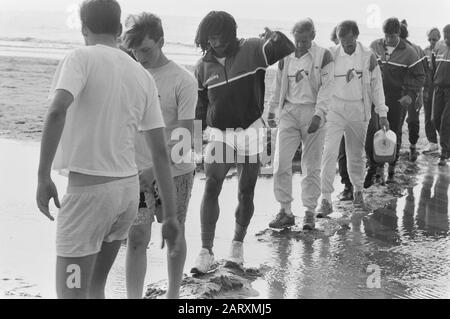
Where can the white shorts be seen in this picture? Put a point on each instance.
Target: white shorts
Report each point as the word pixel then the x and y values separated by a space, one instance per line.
pixel 249 142
pixel 92 215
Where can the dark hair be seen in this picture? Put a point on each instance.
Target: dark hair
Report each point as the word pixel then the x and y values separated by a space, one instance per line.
pixel 446 28
pixel 216 23
pixel 404 33
pixel 434 29
pixel 101 16
pixel 140 26
pixel 333 36
pixel 347 26
pixel 391 26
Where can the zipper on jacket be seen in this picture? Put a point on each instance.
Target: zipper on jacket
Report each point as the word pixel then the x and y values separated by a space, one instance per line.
pixel 225 70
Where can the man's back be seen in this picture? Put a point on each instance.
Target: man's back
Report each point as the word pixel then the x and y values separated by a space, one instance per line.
pixel 112 97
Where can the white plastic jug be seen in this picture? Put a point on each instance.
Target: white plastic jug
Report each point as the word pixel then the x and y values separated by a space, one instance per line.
pixel 385 147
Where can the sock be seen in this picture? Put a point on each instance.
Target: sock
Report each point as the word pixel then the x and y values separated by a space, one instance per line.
pixel 287 209
pixel 239 233
pixel 208 237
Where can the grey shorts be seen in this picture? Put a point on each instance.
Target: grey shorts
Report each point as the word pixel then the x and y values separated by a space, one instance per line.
pixel 150 203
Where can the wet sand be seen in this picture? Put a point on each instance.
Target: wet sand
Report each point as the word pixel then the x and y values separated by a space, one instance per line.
pixel 24 87
pixel 407 237
pixel 406 233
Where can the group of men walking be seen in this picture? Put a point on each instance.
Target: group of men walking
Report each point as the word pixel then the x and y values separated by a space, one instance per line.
pixel 109 118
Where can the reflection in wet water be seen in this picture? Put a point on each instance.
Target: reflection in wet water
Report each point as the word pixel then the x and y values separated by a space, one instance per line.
pixel 407 240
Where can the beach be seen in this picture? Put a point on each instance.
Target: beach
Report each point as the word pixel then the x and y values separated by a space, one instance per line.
pixel 409 242
pixel 24 85
pixel 406 235
pixel 405 232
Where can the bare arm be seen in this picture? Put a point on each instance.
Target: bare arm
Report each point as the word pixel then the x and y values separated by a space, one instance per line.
pixel 156 141
pixel 54 126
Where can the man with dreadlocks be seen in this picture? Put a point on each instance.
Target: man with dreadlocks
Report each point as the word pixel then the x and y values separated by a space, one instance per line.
pixel 231 80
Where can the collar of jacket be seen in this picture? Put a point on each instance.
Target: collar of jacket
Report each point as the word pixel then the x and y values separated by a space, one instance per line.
pixel 359 46
pixel 312 50
pixel 401 45
pixel 209 55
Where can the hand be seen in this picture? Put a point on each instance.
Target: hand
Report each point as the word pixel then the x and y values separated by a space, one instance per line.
pixel 146 179
pixel 271 120
pixel 170 234
pixel 269 35
pixel 384 123
pixel 47 190
pixel 315 124
pixel 406 101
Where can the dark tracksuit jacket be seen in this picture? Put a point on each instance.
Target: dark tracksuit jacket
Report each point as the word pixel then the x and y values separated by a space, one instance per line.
pixel 441 105
pixel 403 74
pixel 232 96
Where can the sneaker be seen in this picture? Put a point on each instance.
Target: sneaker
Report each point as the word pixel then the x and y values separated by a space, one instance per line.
pixel 413 154
pixel 431 148
pixel 203 263
pixel 359 200
pixel 443 161
pixel 237 253
pixel 347 194
pixel 309 222
pixel 325 209
pixel 282 220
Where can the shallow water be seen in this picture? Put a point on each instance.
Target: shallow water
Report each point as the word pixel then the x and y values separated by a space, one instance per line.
pixel 408 241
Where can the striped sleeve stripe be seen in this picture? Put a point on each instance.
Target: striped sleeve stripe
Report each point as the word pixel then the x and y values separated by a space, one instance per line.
pixel 237 78
pixel 417 62
pixel 396 64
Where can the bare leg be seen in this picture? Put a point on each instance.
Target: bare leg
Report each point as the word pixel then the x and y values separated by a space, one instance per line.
pixel 209 211
pixel 73 276
pixel 103 264
pixel 248 175
pixel 175 267
pixel 136 263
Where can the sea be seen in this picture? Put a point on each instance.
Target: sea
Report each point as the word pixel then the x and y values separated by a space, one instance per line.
pixel 53 34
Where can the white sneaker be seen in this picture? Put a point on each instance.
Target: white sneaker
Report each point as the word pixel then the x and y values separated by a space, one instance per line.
pixel 203 263
pixel 237 253
pixel 431 148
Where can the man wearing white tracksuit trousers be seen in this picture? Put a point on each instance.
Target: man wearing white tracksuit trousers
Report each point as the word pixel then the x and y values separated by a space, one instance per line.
pixel 358 84
pixel 302 89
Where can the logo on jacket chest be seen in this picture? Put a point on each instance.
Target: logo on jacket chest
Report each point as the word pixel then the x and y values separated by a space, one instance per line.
pixel 300 75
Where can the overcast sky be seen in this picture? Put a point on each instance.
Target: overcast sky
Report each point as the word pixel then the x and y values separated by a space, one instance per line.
pixel 417 12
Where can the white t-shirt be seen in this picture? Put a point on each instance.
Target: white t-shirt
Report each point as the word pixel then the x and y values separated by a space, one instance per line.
pixel 389 50
pixel 299 90
pixel 114 97
pixel 178 94
pixel 221 60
